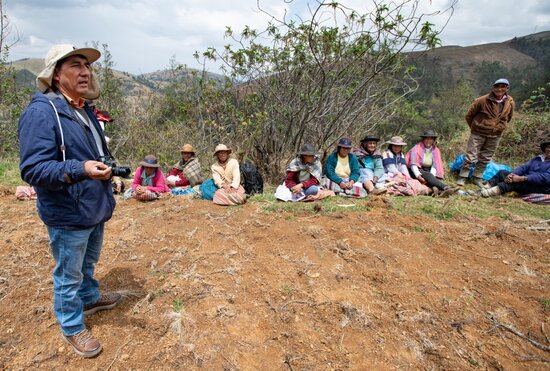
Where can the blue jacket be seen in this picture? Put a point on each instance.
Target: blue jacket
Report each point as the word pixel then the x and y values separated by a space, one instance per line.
pixel 67 197
pixel 330 167
pixel 537 171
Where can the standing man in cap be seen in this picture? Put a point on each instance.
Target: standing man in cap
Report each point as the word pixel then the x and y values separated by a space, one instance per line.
pixel 487 118
pixel 61 143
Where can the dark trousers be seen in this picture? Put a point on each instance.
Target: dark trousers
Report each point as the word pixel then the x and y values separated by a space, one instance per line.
pixel 431 180
pixel 521 188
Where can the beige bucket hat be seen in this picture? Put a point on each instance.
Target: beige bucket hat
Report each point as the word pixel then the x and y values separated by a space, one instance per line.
pixel 149 161
pixel 187 148
pixel 221 147
pixel 62 51
pixel 397 141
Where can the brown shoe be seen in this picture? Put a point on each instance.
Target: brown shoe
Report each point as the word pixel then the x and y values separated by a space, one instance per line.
pixel 107 301
pixel 378 191
pixel 448 191
pixel 84 344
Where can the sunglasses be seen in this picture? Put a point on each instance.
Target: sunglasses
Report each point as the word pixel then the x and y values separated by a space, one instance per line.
pixel 500 86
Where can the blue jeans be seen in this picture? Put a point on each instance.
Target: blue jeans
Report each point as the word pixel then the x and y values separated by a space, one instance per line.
pixel 75 252
pixel 312 190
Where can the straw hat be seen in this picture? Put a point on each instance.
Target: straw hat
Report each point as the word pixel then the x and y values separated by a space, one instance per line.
pixel 62 51
pixel 187 148
pixel 221 147
pixel 397 141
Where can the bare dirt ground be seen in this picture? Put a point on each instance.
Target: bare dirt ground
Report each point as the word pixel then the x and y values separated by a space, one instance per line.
pixel 216 288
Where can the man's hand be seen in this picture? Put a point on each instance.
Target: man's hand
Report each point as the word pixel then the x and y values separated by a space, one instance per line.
pixel 297 188
pixel 97 170
pixel 513 178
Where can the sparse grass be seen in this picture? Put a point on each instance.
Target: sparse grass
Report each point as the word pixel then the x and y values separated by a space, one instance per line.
pixel 287 290
pixel 178 305
pixel 9 173
pixel 455 206
pixel 545 304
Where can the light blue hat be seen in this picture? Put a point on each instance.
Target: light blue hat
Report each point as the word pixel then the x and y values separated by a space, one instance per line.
pixel 502 81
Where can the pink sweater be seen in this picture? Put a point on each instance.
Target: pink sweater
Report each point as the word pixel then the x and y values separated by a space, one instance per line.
pixel 158 186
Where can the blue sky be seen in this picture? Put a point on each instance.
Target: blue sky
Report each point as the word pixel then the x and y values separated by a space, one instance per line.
pixel 143 35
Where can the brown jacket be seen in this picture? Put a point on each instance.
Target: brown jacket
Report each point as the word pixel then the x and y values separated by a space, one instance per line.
pixel 487 117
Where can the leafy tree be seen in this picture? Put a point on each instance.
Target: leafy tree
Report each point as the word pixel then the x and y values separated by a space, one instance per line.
pixel 337 73
pixel 13 98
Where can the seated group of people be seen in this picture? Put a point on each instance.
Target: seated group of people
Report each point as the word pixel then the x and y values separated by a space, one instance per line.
pixel 357 172
pixel 224 188
pixel 348 171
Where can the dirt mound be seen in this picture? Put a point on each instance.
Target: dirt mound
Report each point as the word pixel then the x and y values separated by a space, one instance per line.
pixel 6 191
pixel 208 287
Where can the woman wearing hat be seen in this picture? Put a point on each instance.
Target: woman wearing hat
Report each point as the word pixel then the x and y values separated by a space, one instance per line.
pixel 187 171
pixel 398 177
pixel 303 177
pixel 370 165
pixel 148 181
pixel 226 177
pixel 342 171
pixel 424 161
pixel 530 178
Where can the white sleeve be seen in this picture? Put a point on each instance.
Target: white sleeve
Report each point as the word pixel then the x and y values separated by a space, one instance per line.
pixel 415 170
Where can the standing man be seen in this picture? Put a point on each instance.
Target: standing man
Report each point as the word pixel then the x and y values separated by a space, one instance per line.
pixel 60 145
pixel 487 118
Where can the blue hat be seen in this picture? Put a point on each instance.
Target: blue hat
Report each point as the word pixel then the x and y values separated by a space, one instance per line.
pixel 344 142
pixel 502 81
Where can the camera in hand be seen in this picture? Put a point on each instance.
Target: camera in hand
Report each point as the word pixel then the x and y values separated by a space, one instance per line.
pixel 121 171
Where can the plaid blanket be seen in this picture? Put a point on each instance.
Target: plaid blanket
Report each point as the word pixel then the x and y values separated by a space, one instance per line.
pixel 315 168
pixel 191 170
pixel 537 198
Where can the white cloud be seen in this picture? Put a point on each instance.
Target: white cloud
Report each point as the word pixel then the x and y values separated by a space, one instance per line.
pixel 144 34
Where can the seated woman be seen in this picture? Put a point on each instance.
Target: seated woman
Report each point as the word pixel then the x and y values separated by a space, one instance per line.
pixel 188 169
pixel 148 181
pixel 399 181
pixel 342 171
pixel 303 177
pixel 225 186
pixel 186 172
pixel 531 177
pixel 370 165
pixel 424 161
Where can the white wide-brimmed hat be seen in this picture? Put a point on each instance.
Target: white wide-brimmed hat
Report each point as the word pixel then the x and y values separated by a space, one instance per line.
pixel 221 147
pixel 62 51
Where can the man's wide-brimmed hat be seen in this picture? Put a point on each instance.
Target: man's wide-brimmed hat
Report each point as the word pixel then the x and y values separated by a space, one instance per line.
pixel 543 145
pixel 307 150
pixel 397 141
pixel 344 142
pixel 187 148
pixel 149 161
pixel 221 147
pixel 60 52
pixel 370 137
pixel 430 133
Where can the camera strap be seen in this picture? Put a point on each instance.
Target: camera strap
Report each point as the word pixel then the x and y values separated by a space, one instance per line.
pixel 62 146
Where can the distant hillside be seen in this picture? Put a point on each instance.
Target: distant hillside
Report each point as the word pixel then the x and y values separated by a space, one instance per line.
pixel 132 85
pixel 524 60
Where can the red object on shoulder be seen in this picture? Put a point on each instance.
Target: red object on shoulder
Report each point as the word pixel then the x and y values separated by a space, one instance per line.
pixel 103 116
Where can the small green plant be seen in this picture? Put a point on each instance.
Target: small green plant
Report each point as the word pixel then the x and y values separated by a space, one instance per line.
pixel 287 289
pixel 545 304
pixel 178 305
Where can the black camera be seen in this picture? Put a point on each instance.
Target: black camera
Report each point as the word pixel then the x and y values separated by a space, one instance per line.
pixel 121 171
